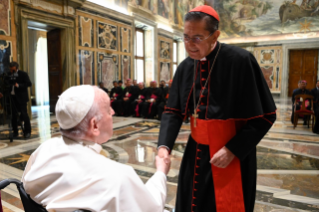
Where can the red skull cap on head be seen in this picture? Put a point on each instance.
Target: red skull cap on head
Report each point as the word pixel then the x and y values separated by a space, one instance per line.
pixel 206 9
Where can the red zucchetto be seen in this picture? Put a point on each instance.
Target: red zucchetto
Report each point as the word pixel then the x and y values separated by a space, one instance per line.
pixel 206 9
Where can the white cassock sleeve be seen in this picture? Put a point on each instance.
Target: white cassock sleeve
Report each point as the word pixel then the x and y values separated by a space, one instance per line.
pixel 149 197
pixel 27 169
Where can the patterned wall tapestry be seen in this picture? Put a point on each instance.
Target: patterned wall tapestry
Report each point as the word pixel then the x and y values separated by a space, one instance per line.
pixel 86 67
pixel 5 55
pixel 165 51
pixel 270 61
pixel 126 67
pixel 107 36
pixel 85 31
pixel 108 67
pixel 165 71
pixel 125 40
pixel 5 10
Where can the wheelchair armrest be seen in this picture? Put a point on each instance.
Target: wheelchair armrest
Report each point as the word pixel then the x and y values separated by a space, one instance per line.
pixel 4 183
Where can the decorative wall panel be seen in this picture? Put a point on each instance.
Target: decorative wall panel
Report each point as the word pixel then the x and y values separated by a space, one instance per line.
pixel 126 67
pixel 267 56
pixel 107 36
pixel 111 44
pixel 125 40
pixel 5 12
pixel 165 51
pixel 165 71
pixel 86 67
pixel 270 60
pixel 85 32
pixel 165 60
pixel 5 55
pixel 108 68
pixel 268 72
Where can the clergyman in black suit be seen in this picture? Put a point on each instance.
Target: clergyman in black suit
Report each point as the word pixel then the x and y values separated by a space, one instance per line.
pixel 302 90
pixel 315 93
pixel 19 96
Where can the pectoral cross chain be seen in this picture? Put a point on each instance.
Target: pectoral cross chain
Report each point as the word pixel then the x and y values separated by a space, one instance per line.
pixel 195 115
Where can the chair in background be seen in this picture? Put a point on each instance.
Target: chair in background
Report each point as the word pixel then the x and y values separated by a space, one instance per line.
pixel 303 108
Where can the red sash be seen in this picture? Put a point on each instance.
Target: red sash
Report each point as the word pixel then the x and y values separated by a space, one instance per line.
pixel 227 182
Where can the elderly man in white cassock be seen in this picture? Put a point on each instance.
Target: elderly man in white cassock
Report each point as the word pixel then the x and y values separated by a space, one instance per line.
pixel 69 173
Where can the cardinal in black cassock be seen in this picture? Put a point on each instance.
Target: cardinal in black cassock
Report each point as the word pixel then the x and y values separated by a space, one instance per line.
pixel 115 96
pixel 231 108
pixel 153 98
pixel 129 95
pixel 137 105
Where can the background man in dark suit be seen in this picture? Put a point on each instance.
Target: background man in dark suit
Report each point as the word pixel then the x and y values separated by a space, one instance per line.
pixel 101 85
pixel 315 93
pixel 19 97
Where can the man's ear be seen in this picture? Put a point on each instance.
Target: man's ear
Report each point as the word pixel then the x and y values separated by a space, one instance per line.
pixel 216 35
pixel 94 128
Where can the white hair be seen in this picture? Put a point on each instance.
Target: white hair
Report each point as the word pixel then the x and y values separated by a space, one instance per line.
pixel 80 130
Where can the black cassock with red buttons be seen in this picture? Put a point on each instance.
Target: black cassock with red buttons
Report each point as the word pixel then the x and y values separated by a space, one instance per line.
pixel 236 90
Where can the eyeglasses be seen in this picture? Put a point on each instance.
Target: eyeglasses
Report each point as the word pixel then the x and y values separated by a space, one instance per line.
pixel 196 40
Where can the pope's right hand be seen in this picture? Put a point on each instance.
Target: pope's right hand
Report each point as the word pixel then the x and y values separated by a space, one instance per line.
pixel 162 165
pixel 1 95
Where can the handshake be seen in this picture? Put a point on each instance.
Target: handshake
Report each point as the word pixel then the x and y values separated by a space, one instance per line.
pixel 163 161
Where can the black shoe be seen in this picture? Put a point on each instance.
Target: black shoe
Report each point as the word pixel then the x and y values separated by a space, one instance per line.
pixel 27 135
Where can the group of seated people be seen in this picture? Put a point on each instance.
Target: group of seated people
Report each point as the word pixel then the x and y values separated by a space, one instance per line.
pixel 302 84
pixel 137 101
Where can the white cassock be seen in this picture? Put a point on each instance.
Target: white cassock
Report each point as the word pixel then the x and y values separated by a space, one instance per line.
pixel 65 175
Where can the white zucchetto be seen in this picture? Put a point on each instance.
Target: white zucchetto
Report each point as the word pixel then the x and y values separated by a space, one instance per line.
pixel 73 105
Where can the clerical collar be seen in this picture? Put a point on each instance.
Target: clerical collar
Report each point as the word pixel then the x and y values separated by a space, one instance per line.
pixel 210 54
pixel 90 144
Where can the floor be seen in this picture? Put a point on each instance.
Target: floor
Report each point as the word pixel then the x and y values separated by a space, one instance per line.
pixel 288 159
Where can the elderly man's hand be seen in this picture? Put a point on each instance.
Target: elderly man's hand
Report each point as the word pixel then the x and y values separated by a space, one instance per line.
pixel 1 95
pixel 222 158
pixel 162 165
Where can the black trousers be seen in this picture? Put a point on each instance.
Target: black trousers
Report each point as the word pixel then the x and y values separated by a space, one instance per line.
pixel 146 112
pixel 126 107
pixel 19 106
pixel 117 107
pixel 133 107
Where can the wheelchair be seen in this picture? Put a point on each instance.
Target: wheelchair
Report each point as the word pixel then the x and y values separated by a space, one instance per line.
pixel 28 204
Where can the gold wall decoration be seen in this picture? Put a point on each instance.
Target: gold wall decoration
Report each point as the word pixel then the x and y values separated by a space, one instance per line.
pixel 269 59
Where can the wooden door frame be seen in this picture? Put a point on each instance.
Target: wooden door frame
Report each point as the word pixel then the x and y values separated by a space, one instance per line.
pixel 285 73
pixel 67 27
